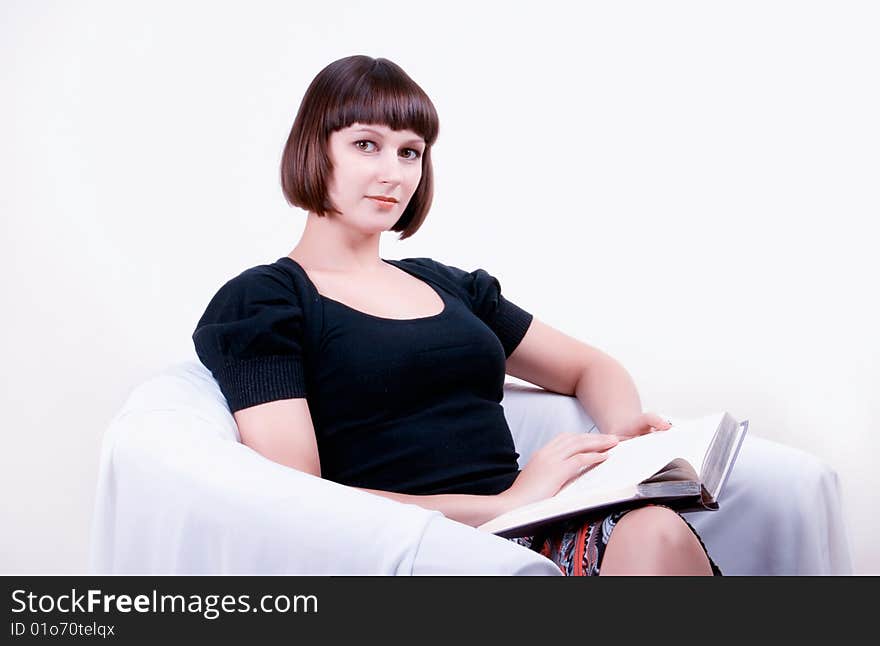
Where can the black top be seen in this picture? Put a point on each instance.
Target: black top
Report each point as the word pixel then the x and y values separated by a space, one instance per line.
pixel 405 405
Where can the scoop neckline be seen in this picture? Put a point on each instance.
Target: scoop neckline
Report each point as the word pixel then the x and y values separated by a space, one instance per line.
pixel 393 263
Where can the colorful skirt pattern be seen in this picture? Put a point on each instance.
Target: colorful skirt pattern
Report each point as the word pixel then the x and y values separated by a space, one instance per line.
pixel 577 546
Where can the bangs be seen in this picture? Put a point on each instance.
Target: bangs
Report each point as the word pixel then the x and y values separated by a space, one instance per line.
pixel 386 96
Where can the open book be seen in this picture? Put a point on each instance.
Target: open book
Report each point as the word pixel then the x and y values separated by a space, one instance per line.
pixel 684 467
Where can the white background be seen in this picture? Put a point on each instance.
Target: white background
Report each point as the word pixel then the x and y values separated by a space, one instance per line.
pixel 690 186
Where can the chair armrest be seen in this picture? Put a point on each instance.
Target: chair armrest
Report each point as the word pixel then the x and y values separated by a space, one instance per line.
pixel 176 494
pixel 780 511
pixel 780 514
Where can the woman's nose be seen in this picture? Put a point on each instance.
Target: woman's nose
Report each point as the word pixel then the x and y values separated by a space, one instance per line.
pixel 390 167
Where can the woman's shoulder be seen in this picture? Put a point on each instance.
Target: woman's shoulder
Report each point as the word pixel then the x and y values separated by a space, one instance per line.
pixel 435 267
pixel 254 329
pixel 278 278
pixel 263 288
pixel 468 281
pixel 265 300
pixel 482 291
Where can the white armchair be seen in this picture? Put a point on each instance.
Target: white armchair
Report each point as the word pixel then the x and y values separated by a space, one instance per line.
pixel 178 493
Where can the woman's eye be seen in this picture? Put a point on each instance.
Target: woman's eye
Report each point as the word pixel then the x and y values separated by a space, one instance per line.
pixel 416 154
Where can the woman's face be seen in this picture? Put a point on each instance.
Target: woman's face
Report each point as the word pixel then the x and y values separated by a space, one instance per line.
pixel 373 160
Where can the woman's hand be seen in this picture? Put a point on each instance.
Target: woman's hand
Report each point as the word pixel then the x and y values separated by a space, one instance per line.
pixel 566 456
pixel 641 424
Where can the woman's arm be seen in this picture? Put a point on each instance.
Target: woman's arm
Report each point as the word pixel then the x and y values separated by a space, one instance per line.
pixel 608 394
pixel 560 363
pixel 553 465
pixel 283 432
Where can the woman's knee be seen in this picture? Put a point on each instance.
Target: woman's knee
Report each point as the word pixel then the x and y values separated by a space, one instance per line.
pixel 654 540
pixel 656 528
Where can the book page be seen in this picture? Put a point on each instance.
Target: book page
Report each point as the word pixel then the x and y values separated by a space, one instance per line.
pixel 554 507
pixel 616 479
pixel 637 459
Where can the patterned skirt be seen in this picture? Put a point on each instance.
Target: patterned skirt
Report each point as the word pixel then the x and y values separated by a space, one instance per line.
pixel 577 546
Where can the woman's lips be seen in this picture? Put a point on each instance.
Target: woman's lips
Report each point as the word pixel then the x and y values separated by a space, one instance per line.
pixel 384 203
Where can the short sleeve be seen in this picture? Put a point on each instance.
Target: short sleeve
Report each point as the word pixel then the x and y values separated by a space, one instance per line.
pixel 251 339
pixel 509 321
pixel 482 292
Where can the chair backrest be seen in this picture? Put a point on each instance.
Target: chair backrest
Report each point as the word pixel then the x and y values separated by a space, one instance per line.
pixel 186 387
pixel 535 416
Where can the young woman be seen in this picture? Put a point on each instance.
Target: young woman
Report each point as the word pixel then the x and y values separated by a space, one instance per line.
pixel 387 375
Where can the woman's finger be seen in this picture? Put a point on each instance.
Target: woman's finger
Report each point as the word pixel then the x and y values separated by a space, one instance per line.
pixel 656 421
pixel 570 443
pixel 564 439
pixel 586 460
pixel 648 423
pixel 592 458
pixel 590 442
pixel 580 464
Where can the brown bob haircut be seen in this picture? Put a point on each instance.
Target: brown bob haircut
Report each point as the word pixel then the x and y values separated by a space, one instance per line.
pixel 364 90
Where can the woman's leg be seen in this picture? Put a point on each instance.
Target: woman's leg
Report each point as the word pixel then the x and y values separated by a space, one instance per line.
pixel 654 540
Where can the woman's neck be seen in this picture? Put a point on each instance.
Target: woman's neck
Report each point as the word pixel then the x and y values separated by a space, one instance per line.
pixel 328 246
